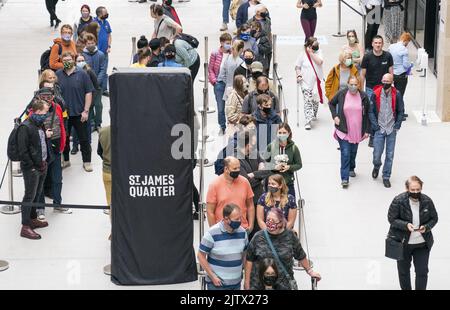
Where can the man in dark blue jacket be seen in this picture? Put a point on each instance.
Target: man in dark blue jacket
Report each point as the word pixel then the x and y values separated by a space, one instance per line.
pixel 386 116
pixel 242 15
pixel 96 59
pixel 266 121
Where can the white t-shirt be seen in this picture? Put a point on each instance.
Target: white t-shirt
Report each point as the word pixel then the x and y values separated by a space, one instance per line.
pixel 252 10
pixel 307 71
pixel 416 237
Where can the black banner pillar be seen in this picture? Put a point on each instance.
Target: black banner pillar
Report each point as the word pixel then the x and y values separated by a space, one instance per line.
pixel 152 117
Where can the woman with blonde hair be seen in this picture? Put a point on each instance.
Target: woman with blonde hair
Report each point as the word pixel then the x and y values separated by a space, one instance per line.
pixel 277 196
pixel 233 106
pixel 355 48
pixel 339 74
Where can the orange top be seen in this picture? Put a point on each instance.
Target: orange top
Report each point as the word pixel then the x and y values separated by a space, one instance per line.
pixel 55 61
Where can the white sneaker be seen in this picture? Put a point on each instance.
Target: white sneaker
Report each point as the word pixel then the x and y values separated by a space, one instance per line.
pixel 87 167
pixel 41 217
pixel 63 210
pixel 224 27
pixel 106 211
pixel 308 126
pixel 65 164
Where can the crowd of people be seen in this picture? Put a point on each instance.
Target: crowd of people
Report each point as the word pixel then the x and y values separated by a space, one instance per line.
pixel 251 204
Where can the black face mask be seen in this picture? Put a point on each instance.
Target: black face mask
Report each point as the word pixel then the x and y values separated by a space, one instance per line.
pixel 105 16
pixel 386 86
pixel 264 14
pixel 415 195
pixel 256 75
pixel 269 280
pixel 253 33
pixel 248 61
pixel 267 110
pixel 234 174
pixel 315 48
pixel 261 91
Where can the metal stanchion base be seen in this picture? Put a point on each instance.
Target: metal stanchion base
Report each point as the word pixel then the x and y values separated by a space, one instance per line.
pixel 10 210
pixel 338 35
pixel 107 270
pixel 206 163
pixel 210 110
pixel 209 138
pixel 3 265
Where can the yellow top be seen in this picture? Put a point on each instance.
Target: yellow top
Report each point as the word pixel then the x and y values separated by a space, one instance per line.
pixel 138 65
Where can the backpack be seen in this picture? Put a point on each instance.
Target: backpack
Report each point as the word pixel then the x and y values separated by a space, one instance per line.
pixel 189 39
pixel 13 147
pixel 45 57
pixel 218 164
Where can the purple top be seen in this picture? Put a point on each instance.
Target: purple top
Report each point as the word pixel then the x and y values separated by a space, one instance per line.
pixel 353 115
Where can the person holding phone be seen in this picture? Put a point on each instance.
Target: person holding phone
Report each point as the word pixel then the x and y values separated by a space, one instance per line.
pixel 412 216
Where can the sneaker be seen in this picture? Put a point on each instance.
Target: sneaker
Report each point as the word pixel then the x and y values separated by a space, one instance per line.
pixel 62 210
pixel 106 93
pixel 344 184
pixel 106 211
pixel 387 183
pixel 195 216
pixel 221 132
pixel 41 215
pixel 87 167
pixel 352 174
pixel 375 173
pixel 57 23
pixel 65 164
pixel 74 150
pixel 224 27
pixel 371 141
pixel 308 126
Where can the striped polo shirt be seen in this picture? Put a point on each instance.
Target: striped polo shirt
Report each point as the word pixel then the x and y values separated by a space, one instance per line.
pixel 225 252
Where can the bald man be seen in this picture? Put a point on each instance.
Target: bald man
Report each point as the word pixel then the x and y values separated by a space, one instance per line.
pixel 230 188
pixel 386 116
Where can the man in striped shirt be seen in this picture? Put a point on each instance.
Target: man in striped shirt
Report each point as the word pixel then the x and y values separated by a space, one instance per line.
pixel 222 251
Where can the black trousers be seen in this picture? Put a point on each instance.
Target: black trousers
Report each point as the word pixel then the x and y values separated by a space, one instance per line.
pixel 400 82
pixel 420 254
pixel 82 132
pixel 194 68
pixel 51 8
pixel 34 182
pixel 372 27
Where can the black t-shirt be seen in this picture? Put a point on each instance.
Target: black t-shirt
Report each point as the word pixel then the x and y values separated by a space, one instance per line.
pixel 376 67
pixel 310 13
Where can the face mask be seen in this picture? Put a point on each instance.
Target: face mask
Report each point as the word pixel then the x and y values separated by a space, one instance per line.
pixel 256 75
pixel 353 89
pixel 66 37
pixel 253 33
pixel 261 91
pixel 248 61
pixel 105 16
pixel 85 15
pixel 235 224
pixel 273 189
pixel 91 49
pixel 283 137
pixel 264 14
pixel 414 195
pixel 227 47
pixel 80 65
pixel 352 40
pixel 348 62
pixel 386 86
pixel 245 36
pixel 267 110
pixel 269 280
pixel 234 174
pixel 68 65
pixel 271 226
pixel 315 48
pixel 39 118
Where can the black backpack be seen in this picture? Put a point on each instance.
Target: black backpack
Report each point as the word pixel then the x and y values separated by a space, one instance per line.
pixel 45 57
pixel 189 39
pixel 13 147
pixel 218 164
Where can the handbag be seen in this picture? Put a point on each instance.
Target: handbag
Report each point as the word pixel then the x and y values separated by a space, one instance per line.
pixel 394 249
pixel 292 282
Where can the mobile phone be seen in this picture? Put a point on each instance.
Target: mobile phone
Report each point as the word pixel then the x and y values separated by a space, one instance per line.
pixel 417 229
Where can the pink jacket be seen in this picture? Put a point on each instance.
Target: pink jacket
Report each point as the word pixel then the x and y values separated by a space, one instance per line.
pixel 215 60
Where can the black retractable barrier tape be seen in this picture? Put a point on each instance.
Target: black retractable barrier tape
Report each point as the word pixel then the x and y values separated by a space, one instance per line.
pixel 53 205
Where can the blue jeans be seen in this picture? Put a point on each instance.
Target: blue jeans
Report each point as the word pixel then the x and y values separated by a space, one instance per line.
pixel 211 287
pixel 379 141
pixel 219 90
pixel 54 172
pixel 226 11
pixel 348 157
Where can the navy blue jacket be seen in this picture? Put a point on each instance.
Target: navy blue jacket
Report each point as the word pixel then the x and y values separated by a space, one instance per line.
pixel 97 61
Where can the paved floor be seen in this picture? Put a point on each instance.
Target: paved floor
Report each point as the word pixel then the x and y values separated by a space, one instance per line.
pixel 346 228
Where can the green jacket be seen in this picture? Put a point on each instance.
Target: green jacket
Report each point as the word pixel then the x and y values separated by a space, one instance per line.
pixel 294 162
pixel 104 148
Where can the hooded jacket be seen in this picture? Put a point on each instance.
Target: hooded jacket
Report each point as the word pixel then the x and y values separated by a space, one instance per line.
pixel 29 145
pixel 97 61
pixel 55 60
pixel 294 162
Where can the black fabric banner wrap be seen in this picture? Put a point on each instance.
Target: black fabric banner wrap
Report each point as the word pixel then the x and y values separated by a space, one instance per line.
pixel 152 227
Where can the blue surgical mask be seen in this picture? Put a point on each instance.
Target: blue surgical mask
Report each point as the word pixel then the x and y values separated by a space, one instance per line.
pixel 235 224
pixel 81 65
pixel 227 47
pixel 39 119
pixel 66 37
pixel 245 36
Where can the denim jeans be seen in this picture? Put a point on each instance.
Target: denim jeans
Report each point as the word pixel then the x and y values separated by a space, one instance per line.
pixel 211 287
pixel 96 110
pixel 219 90
pixel 379 141
pixel 226 11
pixel 348 157
pixel 34 183
pixel 54 173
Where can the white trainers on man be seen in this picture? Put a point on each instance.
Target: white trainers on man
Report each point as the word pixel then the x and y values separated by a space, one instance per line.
pixel 224 27
pixel 87 167
pixel 62 210
pixel 308 126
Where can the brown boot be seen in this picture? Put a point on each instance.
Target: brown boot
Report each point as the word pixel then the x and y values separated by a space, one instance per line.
pixel 29 233
pixel 38 224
